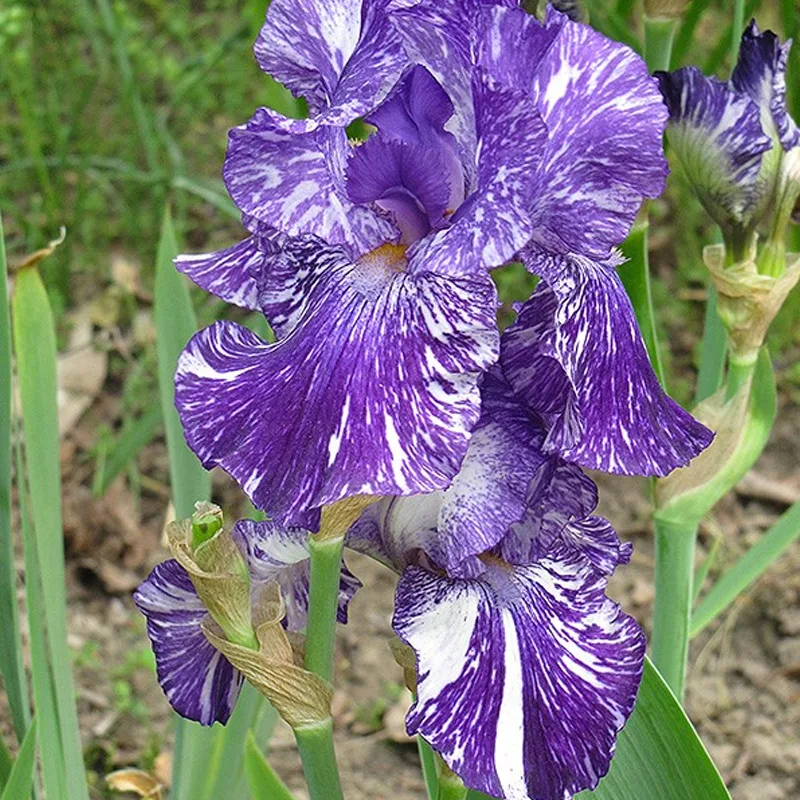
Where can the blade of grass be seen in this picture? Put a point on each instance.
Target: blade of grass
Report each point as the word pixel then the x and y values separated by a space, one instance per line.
pixel 11 664
pixel 35 349
pixel 20 780
pixel 751 566
pixel 263 781
pixel 6 762
pixel 140 433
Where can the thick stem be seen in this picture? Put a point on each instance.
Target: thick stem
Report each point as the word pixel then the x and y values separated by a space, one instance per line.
pixel 675 546
pixel 737 28
pixel 315 743
pixel 739 373
pixel 659 34
pixel 323 601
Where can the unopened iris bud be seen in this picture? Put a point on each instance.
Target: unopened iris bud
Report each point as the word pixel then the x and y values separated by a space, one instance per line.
pixel 217 569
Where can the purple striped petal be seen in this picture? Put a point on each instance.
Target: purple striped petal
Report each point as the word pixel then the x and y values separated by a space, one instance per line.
pixel 343 56
pixel 493 222
pixel 575 355
pixel 277 553
pixel 605 120
pixel 374 391
pixel 718 138
pixel 525 674
pixel 199 682
pixel 760 73
pixel 295 183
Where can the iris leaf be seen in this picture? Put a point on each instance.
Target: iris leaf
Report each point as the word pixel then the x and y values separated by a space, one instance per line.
pixel 20 779
pixel 263 781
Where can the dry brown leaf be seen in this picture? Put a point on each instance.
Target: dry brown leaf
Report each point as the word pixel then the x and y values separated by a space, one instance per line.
pixel 135 780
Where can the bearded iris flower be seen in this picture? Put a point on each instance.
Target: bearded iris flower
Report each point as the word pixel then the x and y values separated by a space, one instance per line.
pixel 732 137
pixel 198 681
pixel 526 671
pixel 499 136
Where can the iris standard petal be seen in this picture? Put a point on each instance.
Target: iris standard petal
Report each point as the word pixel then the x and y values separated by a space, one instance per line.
pixel 199 682
pixel 343 56
pixel 373 391
pixel 279 553
pixel 525 674
pixel 605 121
pixel 576 356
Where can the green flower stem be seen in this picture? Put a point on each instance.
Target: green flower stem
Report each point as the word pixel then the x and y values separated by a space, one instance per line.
pixel 326 568
pixel 659 33
pixel 739 373
pixel 315 743
pixel 736 29
pixel 675 546
pixel 428 760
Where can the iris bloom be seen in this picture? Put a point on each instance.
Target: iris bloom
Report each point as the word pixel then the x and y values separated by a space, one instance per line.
pixel 526 671
pixel 496 136
pixel 198 681
pixel 731 137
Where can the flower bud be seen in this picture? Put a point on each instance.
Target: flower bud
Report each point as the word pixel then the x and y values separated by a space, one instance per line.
pixel 299 696
pixel 748 300
pixel 217 569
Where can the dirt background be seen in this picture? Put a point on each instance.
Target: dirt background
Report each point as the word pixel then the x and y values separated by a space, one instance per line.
pixel 744 682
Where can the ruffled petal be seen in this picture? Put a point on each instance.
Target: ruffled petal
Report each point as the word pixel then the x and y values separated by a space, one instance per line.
pixel 575 355
pixel 373 391
pixel 199 682
pixel 493 222
pixel 605 120
pixel 278 553
pixel 760 73
pixel 342 56
pixel 718 138
pixel 295 183
pixel 525 674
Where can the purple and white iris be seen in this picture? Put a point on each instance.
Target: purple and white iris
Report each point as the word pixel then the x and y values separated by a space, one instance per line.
pixel 497 137
pixel 731 136
pixel 198 681
pixel 526 670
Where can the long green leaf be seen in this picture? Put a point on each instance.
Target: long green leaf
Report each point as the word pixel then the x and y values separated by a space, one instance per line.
pixel 713 348
pixel 35 349
pixel 659 754
pixel 20 780
pixel 263 781
pixel 6 762
pixel 11 665
pixel 50 751
pixel 751 566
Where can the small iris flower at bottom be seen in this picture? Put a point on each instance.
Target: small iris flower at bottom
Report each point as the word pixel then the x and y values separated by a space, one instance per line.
pixel 189 604
pixel 525 670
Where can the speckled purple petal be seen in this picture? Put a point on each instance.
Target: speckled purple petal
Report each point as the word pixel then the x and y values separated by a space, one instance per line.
pixel 493 222
pixel 199 682
pixel 760 73
pixel 525 674
pixel 717 136
pixel 374 391
pixel 343 56
pixel 490 492
pixel 605 119
pixel 295 183
pixel 576 356
pixel 278 553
